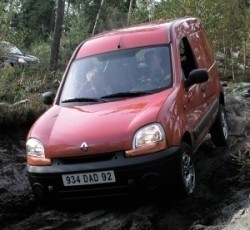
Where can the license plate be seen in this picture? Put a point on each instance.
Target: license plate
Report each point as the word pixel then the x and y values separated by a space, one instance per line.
pixel 102 177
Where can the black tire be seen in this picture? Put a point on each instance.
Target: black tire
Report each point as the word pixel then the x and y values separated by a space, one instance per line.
pixel 219 131
pixel 186 172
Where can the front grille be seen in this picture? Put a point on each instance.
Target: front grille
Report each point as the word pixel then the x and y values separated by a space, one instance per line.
pixel 89 158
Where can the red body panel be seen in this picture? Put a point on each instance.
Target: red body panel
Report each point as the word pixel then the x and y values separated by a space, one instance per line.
pixel 150 34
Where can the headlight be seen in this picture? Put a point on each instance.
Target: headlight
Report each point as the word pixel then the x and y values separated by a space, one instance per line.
pixel 21 61
pixel 36 154
pixel 148 135
pixel 148 139
pixel 35 148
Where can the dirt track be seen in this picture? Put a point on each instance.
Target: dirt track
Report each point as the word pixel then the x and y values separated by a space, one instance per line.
pixel 221 192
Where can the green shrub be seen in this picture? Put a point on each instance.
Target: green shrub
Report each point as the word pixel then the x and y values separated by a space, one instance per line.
pixel 242 158
pixel 20 97
pixel 16 119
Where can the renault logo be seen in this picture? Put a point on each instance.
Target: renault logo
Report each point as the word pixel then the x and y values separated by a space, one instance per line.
pixel 84 147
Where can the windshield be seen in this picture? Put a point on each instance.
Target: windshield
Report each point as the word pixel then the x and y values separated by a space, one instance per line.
pixel 123 73
pixel 6 47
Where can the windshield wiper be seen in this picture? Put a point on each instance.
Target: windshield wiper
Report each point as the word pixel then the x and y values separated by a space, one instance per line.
pixel 127 94
pixel 102 99
pixel 83 99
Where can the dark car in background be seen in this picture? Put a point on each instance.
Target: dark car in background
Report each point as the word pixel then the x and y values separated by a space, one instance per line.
pixel 11 56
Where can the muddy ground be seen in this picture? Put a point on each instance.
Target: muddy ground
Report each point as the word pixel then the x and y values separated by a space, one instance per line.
pixel 221 200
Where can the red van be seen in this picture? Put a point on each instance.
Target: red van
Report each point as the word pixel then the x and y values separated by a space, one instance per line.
pixel 132 108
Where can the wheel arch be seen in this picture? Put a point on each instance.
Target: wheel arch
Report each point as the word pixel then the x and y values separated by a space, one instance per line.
pixel 222 98
pixel 187 138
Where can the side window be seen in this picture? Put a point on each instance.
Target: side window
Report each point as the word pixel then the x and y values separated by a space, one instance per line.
pixel 187 58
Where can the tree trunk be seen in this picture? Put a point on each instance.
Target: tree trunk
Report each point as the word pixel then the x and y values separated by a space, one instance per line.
pixel 57 35
pixel 244 58
pixel 97 17
pixel 232 61
pixel 225 57
pixel 129 11
pixel 68 7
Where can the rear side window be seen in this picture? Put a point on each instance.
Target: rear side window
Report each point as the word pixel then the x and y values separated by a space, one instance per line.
pixel 188 62
pixel 202 50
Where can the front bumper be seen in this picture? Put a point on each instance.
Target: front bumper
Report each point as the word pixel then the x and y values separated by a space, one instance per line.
pixel 132 174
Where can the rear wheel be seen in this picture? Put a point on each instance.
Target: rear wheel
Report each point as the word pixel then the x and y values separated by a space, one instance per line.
pixel 186 171
pixel 219 131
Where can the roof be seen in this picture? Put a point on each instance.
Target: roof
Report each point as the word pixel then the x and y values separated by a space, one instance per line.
pixel 146 34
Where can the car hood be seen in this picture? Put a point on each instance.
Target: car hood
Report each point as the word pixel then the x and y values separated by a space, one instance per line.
pixel 105 127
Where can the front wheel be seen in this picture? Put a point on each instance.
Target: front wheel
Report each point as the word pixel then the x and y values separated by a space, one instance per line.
pixel 8 66
pixel 186 171
pixel 219 131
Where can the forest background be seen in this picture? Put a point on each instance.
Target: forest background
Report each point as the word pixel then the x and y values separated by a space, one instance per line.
pixel 52 29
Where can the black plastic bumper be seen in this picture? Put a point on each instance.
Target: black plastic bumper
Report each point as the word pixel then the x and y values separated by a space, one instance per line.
pixel 146 172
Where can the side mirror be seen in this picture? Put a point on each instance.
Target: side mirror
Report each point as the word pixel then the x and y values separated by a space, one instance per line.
pixel 48 98
pixel 196 76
